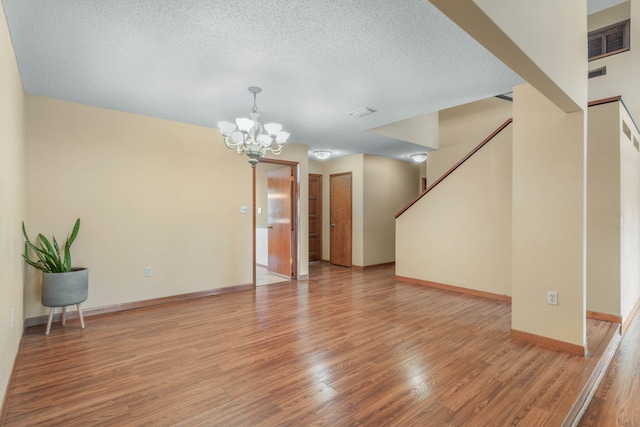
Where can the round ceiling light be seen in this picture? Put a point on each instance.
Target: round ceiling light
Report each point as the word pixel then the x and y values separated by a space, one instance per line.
pixel 419 157
pixel 322 154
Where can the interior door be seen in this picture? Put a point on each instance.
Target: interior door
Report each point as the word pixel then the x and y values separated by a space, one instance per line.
pixel 340 218
pixel 280 182
pixel 315 217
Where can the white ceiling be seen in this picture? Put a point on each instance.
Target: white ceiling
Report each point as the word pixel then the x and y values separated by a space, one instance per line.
pixel 192 61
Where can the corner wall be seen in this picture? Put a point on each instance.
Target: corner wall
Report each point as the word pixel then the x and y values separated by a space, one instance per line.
pixel 388 186
pixel 11 205
pixel 149 192
pixel 380 187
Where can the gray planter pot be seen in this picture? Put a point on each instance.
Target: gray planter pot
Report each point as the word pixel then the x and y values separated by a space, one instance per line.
pixel 63 289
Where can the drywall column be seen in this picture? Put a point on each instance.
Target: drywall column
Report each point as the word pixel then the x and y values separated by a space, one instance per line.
pixel 548 222
pixel 548 154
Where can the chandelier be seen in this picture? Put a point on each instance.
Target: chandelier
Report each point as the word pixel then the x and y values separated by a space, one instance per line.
pixel 251 138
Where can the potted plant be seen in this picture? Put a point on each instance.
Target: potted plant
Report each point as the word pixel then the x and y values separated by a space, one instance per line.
pixel 62 285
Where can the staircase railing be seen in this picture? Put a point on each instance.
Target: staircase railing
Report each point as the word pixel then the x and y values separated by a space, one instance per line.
pixel 457 165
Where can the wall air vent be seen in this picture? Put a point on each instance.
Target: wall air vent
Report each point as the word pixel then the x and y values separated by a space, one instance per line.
pixel 598 72
pixel 361 112
pixel 626 130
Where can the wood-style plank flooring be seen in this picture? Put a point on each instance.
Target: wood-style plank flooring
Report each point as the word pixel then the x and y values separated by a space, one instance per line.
pixel 346 348
pixel 617 399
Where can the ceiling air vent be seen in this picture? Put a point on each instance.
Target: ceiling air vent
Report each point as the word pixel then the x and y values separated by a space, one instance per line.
pixel 361 112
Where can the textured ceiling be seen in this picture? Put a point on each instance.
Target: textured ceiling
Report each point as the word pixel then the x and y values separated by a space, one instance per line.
pixel 192 61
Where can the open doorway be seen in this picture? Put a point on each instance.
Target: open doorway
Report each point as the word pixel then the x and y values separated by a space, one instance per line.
pixel 275 221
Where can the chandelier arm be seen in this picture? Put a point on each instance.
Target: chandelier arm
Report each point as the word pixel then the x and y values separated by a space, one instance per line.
pixel 231 144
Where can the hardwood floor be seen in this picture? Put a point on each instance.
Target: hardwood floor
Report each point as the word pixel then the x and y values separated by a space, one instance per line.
pixel 617 399
pixel 346 348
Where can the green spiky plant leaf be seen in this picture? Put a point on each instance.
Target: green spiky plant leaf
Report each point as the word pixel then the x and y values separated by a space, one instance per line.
pixel 50 258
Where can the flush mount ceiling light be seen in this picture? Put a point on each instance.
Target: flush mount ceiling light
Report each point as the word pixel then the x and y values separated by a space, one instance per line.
pixel 252 138
pixel 419 157
pixel 322 154
pixel 361 112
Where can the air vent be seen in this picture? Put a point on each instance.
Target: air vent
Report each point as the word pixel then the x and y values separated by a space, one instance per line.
pixel 361 112
pixel 626 130
pixel 598 72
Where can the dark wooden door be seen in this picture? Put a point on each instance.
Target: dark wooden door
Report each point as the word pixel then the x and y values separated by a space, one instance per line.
pixel 315 217
pixel 340 218
pixel 280 222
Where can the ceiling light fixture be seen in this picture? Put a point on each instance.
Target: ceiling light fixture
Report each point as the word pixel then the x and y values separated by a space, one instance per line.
pixel 419 157
pixel 322 154
pixel 361 112
pixel 252 138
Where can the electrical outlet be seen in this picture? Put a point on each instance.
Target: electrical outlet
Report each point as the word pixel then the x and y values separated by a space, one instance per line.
pixel 552 298
pixel 147 272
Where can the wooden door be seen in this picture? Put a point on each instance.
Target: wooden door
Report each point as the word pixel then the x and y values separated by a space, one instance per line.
pixel 280 222
pixel 340 218
pixel 315 217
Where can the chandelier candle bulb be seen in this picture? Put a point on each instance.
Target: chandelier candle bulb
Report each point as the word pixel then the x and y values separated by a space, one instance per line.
pixel 252 138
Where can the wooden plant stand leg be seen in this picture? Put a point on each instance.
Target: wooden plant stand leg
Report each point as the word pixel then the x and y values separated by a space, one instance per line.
pixel 64 316
pixel 80 314
pixel 50 319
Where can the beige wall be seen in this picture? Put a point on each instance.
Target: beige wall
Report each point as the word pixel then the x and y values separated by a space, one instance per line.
pixel 380 188
pixel 622 69
pixel 150 192
pixel 460 232
pixel 422 130
pixel 603 209
pixel 315 166
pixel 629 216
pixel 613 216
pixel 548 218
pixel 462 128
pixel 388 186
pixel 11 204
